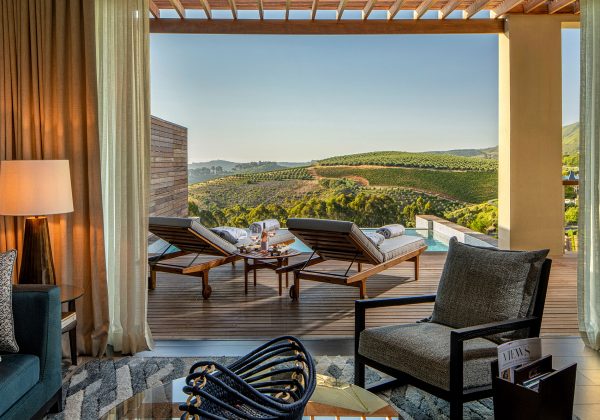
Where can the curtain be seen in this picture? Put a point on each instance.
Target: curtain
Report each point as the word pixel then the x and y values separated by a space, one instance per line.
pixel 48 110
pixel 122 36
pixel 588 287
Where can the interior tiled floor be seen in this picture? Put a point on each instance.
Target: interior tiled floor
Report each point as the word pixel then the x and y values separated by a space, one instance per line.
pixel 565 350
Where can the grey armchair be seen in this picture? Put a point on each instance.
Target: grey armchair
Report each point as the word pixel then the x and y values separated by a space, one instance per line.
pixel 485 296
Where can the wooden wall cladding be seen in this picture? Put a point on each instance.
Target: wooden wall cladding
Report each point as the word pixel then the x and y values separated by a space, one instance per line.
pixel 168 169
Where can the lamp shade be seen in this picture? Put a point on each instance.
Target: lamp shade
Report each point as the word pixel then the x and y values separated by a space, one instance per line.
pixel 35 187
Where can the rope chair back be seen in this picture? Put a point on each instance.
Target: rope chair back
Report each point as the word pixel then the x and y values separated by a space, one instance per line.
pixel 275 381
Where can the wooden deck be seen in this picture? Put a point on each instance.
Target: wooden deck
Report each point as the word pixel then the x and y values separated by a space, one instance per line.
pixel 177 310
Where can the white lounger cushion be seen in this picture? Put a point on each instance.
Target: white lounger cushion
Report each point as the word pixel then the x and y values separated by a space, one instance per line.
pixel 400 245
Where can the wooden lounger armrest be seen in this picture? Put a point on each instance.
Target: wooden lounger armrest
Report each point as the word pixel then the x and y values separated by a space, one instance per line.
pixel 299 265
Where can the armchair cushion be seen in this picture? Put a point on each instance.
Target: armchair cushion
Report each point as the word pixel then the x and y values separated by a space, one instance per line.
pixel 482 285
pixel 19 373
pixel 422 350
pixel 8 342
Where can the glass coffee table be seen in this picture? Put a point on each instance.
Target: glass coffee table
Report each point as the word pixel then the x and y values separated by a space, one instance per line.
pixel 332 400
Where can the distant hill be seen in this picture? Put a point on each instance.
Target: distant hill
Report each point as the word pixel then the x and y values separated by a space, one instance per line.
pixel 488 153
pixel 213 169
pixel 570 134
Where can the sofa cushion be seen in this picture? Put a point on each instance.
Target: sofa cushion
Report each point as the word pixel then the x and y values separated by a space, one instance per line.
pixel 482 285
pixel 8 342
pixel 423 351
pixel 18 374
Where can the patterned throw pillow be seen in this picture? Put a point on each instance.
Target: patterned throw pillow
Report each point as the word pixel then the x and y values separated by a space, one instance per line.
pixel 8 342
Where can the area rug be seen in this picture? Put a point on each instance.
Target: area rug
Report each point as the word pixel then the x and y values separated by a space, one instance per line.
pixel 96 386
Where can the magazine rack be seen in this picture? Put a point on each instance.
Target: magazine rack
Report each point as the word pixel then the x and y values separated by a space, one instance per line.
pixel 552 401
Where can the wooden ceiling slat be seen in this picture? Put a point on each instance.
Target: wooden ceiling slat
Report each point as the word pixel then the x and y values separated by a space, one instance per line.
pixel 393 11
pixel 154 9
pixel 178 8
pixel 448 8
pixel 206 8
pixel 261 9
pixel 233 8
pixel 505 7
pixel 368 9
pixel 556 5
pixel 340 10
pixel 313 12
pixel 531 5
pixel 422 8
pixel 474 8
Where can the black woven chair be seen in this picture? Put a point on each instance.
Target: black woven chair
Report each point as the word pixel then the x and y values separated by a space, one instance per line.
pixel 275 381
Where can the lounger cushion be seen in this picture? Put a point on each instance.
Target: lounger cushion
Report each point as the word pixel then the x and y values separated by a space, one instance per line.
pixel 400 245
pixel 183 222
pixel 337 226
pixel 498 285
pixel 423 351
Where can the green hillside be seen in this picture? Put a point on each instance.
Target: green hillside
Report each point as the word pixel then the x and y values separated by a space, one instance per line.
pixel 571 139
pixel 413 160
pixel 466 186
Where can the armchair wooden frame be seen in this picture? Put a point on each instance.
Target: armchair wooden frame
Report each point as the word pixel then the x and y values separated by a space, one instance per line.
pixel 456 395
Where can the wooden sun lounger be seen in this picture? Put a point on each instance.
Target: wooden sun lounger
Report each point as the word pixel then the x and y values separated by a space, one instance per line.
pixel 189 237
pixel 344 241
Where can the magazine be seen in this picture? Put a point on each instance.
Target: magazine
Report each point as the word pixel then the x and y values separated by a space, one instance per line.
pixel 517 353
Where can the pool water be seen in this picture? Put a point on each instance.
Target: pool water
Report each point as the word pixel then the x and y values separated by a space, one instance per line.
pixel 437 244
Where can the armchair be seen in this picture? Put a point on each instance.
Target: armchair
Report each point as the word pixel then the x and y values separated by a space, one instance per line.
pixel 452 362
pixel 31 380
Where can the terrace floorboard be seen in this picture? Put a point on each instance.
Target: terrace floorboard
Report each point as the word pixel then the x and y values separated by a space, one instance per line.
pixel 176 309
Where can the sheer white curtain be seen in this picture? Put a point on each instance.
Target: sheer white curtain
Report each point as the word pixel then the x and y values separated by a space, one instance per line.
pixel 122 38
pixel 588 287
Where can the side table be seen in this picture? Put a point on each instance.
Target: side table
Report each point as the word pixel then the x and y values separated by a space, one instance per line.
pixel 68 322
pixel 255 260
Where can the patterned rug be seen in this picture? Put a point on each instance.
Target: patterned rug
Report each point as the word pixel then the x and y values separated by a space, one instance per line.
pixel 96 386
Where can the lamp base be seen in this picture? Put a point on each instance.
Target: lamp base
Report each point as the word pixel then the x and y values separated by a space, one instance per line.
pixel 37 266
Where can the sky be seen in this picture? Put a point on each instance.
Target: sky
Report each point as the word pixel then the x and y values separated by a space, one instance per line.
pixel 300 98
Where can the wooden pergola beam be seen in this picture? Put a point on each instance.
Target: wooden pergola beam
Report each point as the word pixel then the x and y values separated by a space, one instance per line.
pixel 313 10
pixel 368 9
pixel 154 9
pixel 505 7
pixel 340 9
pixel 577 8
pixel 327 27
pixel 206 8
pixel 474 8
pixel 531 5
pixel 422 8
pixel 394 9
pixel 178 8
pixel 448 8
pixel 233 8
pixel 556 5
pixel 261 9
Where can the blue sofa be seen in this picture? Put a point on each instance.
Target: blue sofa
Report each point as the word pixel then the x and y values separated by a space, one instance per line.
pixel 31 380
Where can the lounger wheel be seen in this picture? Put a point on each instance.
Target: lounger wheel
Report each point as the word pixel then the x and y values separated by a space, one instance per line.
pixel 293 293
pixel 206 292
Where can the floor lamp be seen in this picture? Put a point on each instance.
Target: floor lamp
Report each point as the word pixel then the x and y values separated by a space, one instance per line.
pixel 35 189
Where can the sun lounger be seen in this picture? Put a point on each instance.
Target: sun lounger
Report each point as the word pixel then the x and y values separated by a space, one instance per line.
pixel 187 236
pixel 344 241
